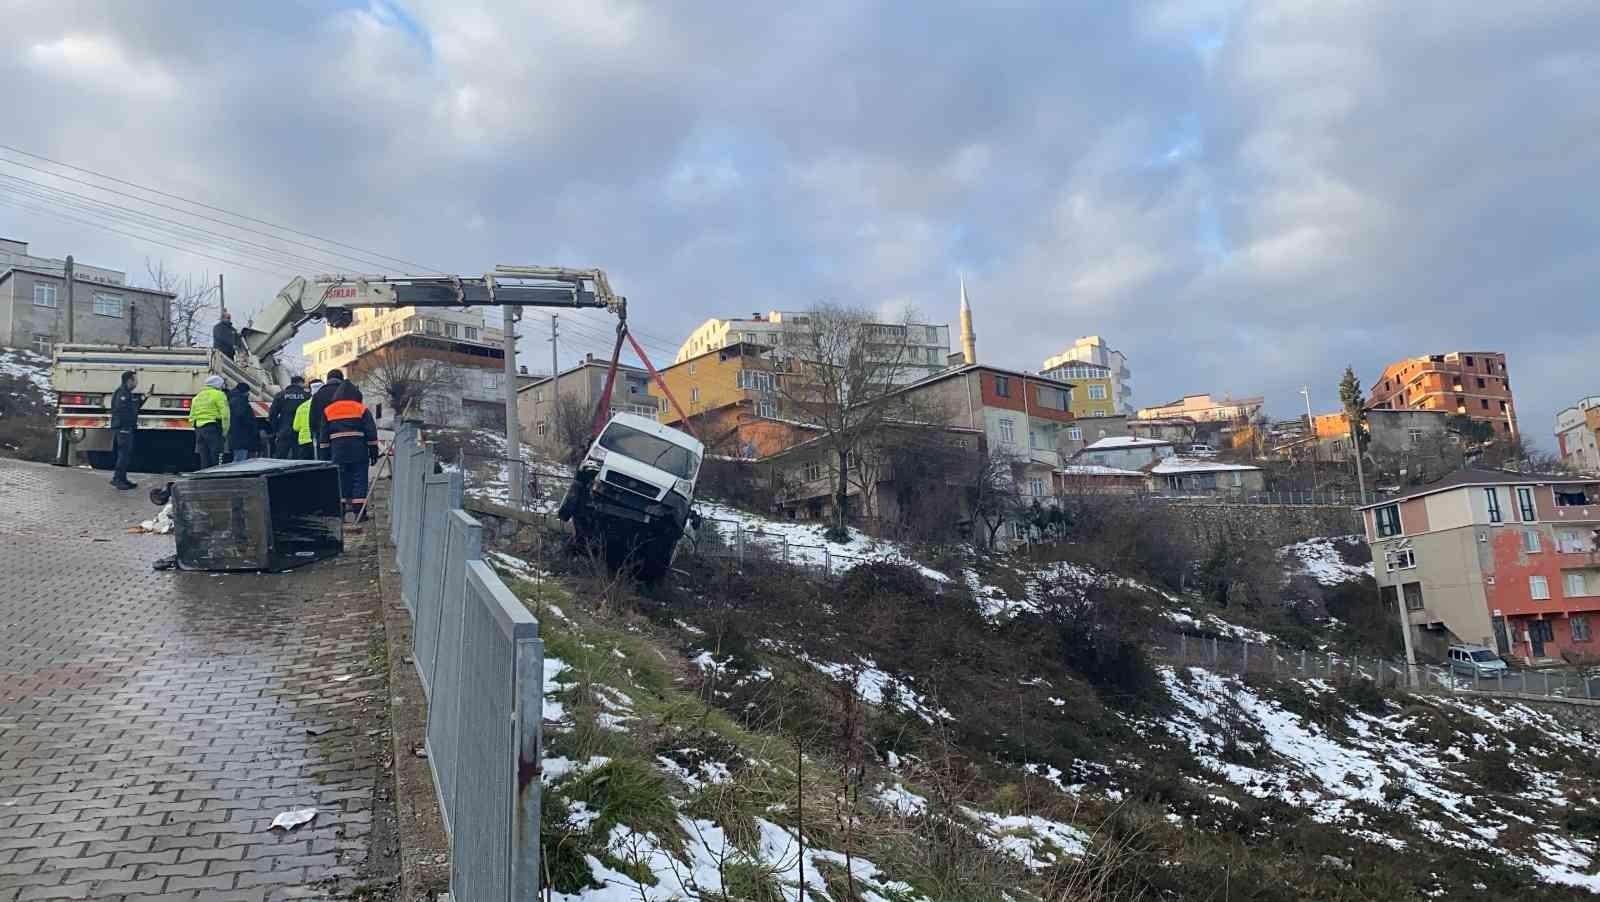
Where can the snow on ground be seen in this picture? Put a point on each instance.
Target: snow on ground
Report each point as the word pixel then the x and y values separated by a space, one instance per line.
pixel 1336 777
pixel 1211 623
pixel 24 364
pixel 802 542
pixel 1036 842
pixel 877 687
pixel 161 523
pixel 1320 559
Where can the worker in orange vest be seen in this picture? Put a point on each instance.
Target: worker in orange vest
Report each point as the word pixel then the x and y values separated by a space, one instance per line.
pixel 351 435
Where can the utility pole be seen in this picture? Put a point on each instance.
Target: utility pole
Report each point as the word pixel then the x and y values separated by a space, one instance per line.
pixel 555 384
pixel 1355 444
pixel 1311 427
pixel 222 296
pixel 69 298
pixel 513 428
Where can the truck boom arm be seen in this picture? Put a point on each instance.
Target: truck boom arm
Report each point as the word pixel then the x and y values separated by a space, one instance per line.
pixel 335 297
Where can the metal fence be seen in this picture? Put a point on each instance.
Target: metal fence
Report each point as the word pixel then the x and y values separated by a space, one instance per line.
pixel 481 663
pixel 1239 496
pixel 1242 657
pixel 731 540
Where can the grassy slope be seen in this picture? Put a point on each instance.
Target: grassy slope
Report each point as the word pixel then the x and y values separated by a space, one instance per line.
pixel 962 758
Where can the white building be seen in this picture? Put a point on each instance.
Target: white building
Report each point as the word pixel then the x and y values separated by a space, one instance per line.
pixel 1125 452
pixel 928 345
pixel 1575 435
pixel 456 337
pixel 1093 349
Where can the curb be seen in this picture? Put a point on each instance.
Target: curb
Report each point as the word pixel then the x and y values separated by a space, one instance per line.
pixel 424 847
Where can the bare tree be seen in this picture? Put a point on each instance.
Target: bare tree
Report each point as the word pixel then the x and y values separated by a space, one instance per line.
pixel 407 378
pixel 996 497
pixel 840 373
pixel 574 430
pixel 194 299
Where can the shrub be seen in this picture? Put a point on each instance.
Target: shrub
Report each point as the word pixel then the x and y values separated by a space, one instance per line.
pixel 1494 771
pixel 1365 696
pixel 1584 822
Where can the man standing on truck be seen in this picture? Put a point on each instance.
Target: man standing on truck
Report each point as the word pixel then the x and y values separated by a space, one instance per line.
pixel 224 337
pixel 124 422
pixel 280 418
pixel 351 436
pixel 302 426
pixel 208 415
pixel 320 399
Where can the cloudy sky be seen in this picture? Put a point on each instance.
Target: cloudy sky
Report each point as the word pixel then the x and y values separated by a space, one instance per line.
pixel 1244 197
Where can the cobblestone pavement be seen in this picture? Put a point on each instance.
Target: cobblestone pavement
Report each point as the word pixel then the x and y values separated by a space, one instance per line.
pixel 153 723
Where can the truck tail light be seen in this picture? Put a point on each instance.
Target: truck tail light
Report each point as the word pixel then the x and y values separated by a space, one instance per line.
pixel 80 400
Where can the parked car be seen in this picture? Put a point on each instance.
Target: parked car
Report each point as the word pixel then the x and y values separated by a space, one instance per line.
pixel 1476 661
pixel 1202 451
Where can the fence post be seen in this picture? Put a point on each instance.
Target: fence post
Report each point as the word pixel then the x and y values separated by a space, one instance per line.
pixel 1546 684
pixel 785 549
pixel 1216 652
pixel 1244 657
pixel 1183 648
pixel 1303 657
pixel 827 561
pixel 1586 692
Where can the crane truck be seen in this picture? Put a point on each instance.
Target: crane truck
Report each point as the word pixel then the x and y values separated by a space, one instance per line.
pixel 632 493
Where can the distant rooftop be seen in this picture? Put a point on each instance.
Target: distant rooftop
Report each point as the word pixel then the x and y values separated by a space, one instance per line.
pixel 1125 441
pixel 1474 476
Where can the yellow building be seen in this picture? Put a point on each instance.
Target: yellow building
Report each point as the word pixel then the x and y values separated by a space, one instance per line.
pixel 716 379
pixel 1091 394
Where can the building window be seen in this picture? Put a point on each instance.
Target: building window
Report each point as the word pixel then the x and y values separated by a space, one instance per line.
pixel 107 305
pixel 694 396
pixel 1002 386
pixel 1469 360
pixel 1016 530
pixel 432 326
pixel 471 333
pixel 1399 559
pixel 1413 596
pixel 767 409
pixel 1036 487
pixel 44 295
pixel 451 330
pixel 691 367
pixel 1033 439
pixel 1580 627
pixel 813 472
pixel 1388 519
pixel 42 344
pixel 933 334
pixel 1099 413
pixel 1576 586
pixel 1480 382
pixel 1525 504
pixel 1414 436
pixel 1075 434
pixel 1238 479
pixel 1538 587
pixel 1008 434
pixel 1097 392
pixel 1493 497
pixel 661 404
pixel 1530 541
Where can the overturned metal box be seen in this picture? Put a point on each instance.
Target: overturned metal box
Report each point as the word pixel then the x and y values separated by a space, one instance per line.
pixel 259 514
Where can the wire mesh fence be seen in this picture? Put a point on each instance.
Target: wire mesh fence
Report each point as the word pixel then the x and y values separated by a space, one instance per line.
pixel 1245 658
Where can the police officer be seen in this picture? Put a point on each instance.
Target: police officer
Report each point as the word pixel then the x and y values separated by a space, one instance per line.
pixel 280 418
pixel 320 399
pixel 306 449
pixel 125 406
pixel 208 415
pixel 351 437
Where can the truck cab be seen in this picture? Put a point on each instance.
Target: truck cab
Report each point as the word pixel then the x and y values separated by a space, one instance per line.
pixel 632 492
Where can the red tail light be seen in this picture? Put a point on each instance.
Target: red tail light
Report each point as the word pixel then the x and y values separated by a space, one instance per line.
pixel 187 402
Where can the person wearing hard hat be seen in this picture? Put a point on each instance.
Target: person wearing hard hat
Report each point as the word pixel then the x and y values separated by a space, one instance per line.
pixel 302 425
pixel 208 416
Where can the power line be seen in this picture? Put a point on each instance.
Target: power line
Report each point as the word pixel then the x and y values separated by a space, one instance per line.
pixel 201 216
pixel 158 191
pixel 148 220
pixel 48 211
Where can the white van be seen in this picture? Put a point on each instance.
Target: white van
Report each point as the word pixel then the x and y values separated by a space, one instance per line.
pixel 1476 661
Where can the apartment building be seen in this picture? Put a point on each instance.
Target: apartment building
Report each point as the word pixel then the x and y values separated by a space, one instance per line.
pixel 1092 349
pixel 1204 408
pixel 730 397
pixel 104 309
pixel 1508 560
pixel 925 345
pixel 1094 389
pixel 1578 435
pixel 582 384
pixel 1474 384
pixel 457 338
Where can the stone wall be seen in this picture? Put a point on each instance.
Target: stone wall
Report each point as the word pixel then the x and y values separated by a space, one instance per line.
pixel 1272 524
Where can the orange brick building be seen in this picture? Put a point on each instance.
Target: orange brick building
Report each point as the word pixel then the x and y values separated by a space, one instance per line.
pixel 1473 383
